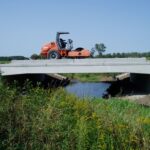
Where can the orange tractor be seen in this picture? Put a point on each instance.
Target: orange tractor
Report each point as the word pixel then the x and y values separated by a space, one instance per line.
pixel 60 48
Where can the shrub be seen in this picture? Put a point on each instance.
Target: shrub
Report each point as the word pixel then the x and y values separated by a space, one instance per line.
pixel 47 119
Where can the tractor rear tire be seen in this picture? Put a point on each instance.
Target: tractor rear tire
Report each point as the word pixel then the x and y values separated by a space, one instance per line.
pixel 53 55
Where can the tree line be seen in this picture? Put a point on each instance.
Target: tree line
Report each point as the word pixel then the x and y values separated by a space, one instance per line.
pixel 9 58
pixel 101 48
pixel 124 55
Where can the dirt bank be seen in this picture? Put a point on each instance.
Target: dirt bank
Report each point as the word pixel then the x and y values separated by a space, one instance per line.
pixel 140 99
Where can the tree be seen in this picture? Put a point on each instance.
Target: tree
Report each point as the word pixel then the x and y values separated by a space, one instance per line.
pixel 92 52
pixel 35 56
pixel 100 48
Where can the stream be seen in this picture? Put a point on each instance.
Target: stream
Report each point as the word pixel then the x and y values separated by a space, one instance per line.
pixel 88 89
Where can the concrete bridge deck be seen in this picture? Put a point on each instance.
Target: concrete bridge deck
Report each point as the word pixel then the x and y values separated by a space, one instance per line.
pixel 99 65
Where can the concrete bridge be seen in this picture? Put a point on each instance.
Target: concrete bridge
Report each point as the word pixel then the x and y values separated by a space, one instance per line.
pixel 114 65
pixel 41 70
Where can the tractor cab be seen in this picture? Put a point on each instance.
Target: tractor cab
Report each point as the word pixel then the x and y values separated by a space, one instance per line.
pixel 63 44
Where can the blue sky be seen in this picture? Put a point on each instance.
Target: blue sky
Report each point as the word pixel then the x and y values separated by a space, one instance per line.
pixel 122 25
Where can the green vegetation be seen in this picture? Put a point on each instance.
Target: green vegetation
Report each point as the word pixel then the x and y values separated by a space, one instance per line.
pixel 90 77
pixel 100 48
pixel 35 56
pixel 45 119
pixel 4 62
pixel 9 58
pixel 148 58
pixel 125 55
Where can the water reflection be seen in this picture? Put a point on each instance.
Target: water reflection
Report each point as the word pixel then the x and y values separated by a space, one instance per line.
pixel 88 89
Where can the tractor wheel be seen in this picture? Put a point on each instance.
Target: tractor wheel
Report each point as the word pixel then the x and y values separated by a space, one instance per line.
pixel 53 55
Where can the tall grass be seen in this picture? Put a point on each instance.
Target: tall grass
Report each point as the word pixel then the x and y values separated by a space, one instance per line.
pixel 54 120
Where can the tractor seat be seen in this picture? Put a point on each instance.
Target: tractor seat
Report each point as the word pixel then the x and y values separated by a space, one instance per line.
pixel 62 43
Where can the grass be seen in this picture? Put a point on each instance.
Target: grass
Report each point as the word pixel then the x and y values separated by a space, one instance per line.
pixel 90 77
pixel 55 120
pixel 4 62
pixel 147 58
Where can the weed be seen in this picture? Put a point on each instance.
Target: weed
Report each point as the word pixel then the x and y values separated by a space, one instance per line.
pixel 47 119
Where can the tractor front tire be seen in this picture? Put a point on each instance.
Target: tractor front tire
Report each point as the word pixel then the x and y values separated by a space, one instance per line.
pixel 53 55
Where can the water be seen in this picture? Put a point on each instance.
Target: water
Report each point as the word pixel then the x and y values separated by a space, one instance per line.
pixel 88 89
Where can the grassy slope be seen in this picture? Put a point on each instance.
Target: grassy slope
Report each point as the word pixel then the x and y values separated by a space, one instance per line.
pixel 42 119
pixel 90 77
